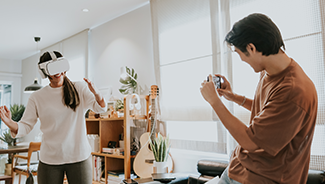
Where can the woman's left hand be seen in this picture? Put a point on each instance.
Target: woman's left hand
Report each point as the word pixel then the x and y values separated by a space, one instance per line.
pixel 92 87
pixel 95 91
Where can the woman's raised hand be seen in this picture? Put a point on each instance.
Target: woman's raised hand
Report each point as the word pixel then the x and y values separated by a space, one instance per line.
pixel 5 115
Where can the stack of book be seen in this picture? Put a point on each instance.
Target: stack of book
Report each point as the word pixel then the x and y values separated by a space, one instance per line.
pixel 116 177
pixel 98 167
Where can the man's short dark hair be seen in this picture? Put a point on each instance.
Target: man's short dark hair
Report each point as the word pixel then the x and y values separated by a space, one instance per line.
pixel 259 30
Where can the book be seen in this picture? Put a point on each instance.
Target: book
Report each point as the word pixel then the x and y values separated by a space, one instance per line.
pixel 98 167
pixel 119 174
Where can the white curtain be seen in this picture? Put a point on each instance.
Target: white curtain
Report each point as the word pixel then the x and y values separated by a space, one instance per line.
pixel 188 46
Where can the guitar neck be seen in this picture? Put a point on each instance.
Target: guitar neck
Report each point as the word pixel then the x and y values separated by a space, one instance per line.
pixel 153 119
pixel 153 95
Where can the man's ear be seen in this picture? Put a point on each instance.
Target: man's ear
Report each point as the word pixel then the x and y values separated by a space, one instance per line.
pixel 251 48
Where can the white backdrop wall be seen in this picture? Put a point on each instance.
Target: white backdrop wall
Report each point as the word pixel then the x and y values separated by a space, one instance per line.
pixel 124 41
pixel 29 72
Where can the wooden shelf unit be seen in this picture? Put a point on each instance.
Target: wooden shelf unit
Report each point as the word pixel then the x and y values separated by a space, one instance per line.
pixel 109 129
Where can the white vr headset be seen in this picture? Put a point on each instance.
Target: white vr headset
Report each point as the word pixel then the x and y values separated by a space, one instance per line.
pixel 54 66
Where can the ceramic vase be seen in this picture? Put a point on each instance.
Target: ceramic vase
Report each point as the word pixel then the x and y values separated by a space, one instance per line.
pixel 160 167
pixel 8 169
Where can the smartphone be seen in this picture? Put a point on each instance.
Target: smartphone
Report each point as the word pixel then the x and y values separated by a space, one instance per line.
pixel 216 80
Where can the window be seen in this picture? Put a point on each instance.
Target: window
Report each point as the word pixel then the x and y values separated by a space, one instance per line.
pixel 185 60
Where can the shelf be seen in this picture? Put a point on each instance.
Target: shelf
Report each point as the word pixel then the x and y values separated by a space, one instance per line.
pixel 104 119
pixel 138 117
pixel 87 119
pixel 110 155
pixel 110 129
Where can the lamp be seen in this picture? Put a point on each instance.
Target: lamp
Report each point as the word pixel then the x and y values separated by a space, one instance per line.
pixel 33 87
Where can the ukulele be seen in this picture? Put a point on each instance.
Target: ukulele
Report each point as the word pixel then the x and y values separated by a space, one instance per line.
pixel 143 162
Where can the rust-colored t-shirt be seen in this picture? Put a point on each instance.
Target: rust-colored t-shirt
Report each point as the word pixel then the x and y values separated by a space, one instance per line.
pixel 282 124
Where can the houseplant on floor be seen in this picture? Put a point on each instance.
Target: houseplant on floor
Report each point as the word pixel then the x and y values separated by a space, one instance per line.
pixel 160 148
pixel 17 112
pixel 6 137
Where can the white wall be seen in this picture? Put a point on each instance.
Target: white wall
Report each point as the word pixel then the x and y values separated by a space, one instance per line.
pixel 124 41
pixel 30 72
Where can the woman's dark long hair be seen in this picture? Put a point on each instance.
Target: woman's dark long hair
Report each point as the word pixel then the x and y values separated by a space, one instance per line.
pixel 70 94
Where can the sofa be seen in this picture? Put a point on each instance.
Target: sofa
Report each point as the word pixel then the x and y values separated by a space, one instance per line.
pixel 209 169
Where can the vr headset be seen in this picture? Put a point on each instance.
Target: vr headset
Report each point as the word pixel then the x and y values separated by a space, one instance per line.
pixel 54 66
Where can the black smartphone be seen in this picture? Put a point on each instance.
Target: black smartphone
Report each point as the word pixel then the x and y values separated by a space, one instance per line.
pixel 216 80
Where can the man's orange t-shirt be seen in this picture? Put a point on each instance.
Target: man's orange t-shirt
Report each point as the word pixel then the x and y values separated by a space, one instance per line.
pixel 282 123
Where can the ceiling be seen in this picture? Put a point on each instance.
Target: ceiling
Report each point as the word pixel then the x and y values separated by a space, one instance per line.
pixel 53 21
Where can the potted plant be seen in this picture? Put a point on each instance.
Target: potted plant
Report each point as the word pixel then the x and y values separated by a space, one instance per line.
pixel 160 147
pixel 6 137
pixel 17 112
pixel 119 105
pixel 129 82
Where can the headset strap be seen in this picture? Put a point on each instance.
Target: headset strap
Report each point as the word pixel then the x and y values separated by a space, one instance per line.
pixel 53 56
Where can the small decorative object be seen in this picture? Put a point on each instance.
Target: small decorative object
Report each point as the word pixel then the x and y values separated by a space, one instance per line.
pixel 111 144
pixel 160 147
pixel 93 115
pixel 128 79
pixel 119 105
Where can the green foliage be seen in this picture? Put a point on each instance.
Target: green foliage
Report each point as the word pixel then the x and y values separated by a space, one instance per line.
pixel 160 147
pixel 119 105
pixel 17 112
pixel 129 85
pixel 6 137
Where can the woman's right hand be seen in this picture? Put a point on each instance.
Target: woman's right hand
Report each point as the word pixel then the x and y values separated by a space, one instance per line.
pixel 5 115
pixel 225 89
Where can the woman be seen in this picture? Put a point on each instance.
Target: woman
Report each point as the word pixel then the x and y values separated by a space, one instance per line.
pixel 60 107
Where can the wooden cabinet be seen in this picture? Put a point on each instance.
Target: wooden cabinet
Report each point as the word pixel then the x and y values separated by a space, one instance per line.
pixel 110 129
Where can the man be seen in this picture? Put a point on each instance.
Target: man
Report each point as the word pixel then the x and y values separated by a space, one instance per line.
pixel 275 147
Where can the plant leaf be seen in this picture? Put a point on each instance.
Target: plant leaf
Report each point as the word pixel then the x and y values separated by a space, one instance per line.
pixel 132 72
pixel 127 70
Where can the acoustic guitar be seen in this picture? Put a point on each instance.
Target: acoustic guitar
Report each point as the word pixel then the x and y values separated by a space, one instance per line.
pixel 143 162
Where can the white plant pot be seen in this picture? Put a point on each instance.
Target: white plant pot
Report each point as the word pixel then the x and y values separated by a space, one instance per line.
pixel 160 167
